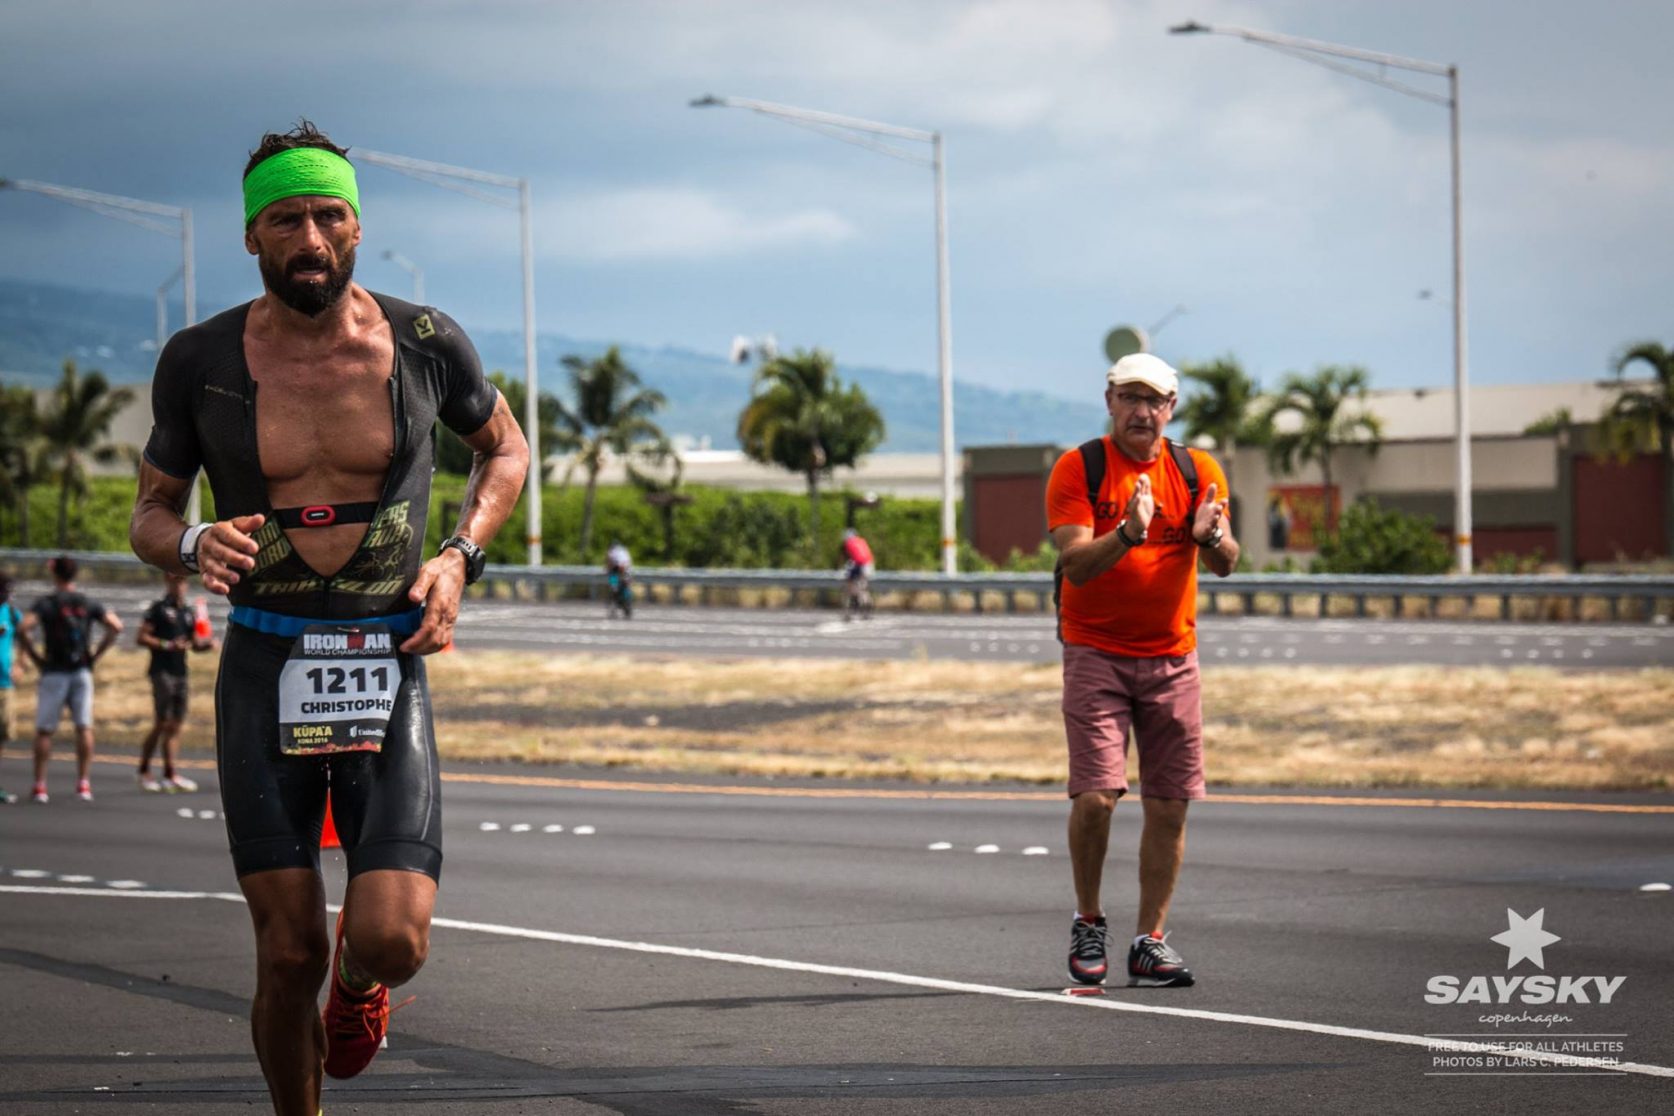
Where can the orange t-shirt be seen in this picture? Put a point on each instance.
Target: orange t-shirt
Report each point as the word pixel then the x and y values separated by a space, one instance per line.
pixel 1145 606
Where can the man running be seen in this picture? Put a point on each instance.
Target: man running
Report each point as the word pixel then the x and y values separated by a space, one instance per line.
pixel 66 618
pixel 311 411
pixel 166 631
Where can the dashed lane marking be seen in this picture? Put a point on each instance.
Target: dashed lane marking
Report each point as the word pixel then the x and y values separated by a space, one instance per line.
pixel 1106 1003
pixel 553 781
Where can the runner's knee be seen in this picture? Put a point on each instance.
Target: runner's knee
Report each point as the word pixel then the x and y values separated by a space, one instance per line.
pixel 389 952
pixel 292 962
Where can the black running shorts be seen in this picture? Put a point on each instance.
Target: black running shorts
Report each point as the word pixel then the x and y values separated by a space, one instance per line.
pixel 386 805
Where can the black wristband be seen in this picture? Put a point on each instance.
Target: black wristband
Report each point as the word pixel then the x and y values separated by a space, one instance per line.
pixel 1122 534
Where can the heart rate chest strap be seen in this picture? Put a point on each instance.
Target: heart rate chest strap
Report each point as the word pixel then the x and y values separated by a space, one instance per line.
pixel 326 515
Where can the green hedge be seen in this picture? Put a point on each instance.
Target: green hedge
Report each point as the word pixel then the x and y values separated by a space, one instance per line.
pixel 719 528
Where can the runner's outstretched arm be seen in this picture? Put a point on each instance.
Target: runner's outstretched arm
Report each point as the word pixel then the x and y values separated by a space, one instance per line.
pixel 498 469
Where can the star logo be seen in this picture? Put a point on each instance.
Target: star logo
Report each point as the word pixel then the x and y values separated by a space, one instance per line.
pixel 1525 938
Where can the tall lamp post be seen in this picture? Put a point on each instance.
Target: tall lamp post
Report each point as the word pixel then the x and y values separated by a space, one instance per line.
pixel 1324 54
pixel 859 132
pixel 463 180
pixel 170 220
pixel 410 268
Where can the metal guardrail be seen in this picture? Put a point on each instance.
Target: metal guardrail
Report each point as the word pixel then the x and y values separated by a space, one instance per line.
pixel 1645 596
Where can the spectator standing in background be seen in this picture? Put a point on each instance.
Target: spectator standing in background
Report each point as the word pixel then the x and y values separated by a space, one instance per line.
pixel 66 618
pixel 10 618
pixel 168 633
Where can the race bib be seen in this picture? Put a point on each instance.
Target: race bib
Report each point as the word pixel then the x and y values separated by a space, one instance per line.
pixel 337 690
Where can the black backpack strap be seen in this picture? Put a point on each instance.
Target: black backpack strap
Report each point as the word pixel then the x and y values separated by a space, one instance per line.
pixel 1188 469
pixel 1093 465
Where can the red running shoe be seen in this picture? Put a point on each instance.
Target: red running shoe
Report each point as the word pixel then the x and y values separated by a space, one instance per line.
pixel 355 1023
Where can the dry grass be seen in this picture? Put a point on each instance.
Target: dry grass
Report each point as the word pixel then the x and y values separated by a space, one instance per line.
pixel 976 722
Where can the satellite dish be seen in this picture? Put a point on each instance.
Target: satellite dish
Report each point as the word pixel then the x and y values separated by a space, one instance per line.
pixel 1125 341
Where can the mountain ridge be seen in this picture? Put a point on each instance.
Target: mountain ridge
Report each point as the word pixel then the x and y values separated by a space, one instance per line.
pixel 43 324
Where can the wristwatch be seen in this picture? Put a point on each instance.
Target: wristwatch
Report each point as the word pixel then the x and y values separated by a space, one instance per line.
pixel 1122 533
pixel 1213 540
pixel 475 559
pixel 187 550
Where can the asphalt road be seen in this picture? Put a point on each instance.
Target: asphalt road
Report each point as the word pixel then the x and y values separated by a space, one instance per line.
pixel 731 632
pixel 663 948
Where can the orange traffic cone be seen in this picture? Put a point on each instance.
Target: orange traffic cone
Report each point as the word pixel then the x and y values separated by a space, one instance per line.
pixel 328 832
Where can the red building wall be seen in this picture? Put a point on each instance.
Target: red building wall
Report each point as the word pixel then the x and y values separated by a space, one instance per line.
pixel 1010 513
pixel 1619 508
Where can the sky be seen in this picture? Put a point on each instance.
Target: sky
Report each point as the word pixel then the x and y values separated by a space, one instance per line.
pixel 1099 171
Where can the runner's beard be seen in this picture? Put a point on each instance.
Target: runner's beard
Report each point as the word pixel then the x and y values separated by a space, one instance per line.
pixel 308 296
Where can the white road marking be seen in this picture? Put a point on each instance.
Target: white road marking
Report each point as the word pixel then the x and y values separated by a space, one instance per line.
pixel 983 850
pixel 30 873
pixel 521 827
pixel 125 885
pixel 584 831
pixel 940 846
pixel 75 879
pixel 185 812
pixel 206 815
pixel 552 829
pixel 881 976
pixel 1035 850
pixel 489 827
pixel 1656 887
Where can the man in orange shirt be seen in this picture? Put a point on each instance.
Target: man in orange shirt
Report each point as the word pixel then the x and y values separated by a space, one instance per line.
pixel 1131 514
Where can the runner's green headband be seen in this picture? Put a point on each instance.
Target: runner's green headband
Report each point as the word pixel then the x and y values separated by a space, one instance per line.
pixel 299 171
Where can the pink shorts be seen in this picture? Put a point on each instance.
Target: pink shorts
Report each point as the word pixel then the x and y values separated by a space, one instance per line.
pixel 1160 699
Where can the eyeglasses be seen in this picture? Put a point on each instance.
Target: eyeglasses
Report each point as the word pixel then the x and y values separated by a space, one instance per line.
pixel 1134 400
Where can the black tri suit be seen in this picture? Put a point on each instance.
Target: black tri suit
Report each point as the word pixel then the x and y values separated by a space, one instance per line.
pixel 386 803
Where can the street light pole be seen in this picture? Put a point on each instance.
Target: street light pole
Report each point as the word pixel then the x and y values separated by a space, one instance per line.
pixel 1321 53
pixel 457 179
pixel 854 130
pixel 145 214
pixel 411 269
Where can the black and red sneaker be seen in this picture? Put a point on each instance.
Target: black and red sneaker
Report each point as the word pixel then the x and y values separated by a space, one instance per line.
pixel 1152 963
pixel 355 1022
pixel 1086 957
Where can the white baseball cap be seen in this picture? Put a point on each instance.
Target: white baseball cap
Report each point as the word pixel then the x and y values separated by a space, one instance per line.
pixel 1143 368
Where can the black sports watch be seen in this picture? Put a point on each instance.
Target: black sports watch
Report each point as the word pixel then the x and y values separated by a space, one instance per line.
pixel 475 559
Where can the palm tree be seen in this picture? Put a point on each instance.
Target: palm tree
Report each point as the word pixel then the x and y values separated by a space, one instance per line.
pixel 22 452
pixel 1223 411
pixel 800 417
pixel 660 486
pixel 75 426
pixel 1642 415
pixel 1330 407
pixel 611 413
